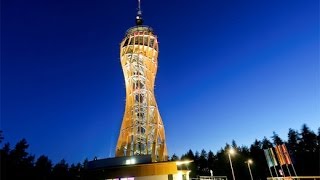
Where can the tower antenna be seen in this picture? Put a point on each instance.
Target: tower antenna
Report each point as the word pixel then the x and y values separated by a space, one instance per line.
pixel 139 19
pixel 139 8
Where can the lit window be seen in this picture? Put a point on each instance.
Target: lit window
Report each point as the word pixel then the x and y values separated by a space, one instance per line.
pixel 130 161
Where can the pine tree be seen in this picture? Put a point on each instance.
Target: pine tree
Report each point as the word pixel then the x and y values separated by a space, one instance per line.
pixel 61 170
pixel 174 157
pixel 43 168
pixel 266 143
pixel 211 159
pixel 276 139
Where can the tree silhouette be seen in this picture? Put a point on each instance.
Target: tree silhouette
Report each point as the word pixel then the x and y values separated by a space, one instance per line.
pixel 293 141
pixel 318 139
pixel 266 143
pixel 203 163
pixel 60 170
pixel 190 156
pixel 276 139
pixel 174 157
pixel 307 152
pixel 303 147
pixel 75 171
pixel 1 136
pixel 308 141
pixel 211 160
pixel 259 169
pixel 21 163
pixel 5 161
pixel 43 167
pixel 234 145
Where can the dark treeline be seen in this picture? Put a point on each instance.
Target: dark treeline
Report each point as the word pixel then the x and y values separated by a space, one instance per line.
pixel 17 163
pixel 303 146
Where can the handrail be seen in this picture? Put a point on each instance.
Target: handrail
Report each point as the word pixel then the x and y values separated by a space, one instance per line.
pixel 210 178
pixel 294 178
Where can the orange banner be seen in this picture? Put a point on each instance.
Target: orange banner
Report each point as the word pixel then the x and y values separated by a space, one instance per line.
pixel 280 155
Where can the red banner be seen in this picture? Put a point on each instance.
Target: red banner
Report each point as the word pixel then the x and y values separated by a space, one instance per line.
pixel 286 154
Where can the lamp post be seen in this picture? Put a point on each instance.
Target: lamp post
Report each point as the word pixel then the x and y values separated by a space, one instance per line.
pixel 250 162
pixel 231 151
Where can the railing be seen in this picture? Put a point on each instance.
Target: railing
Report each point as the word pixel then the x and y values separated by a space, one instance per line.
pixel 295 178
pixel 269 178
pixel 139 28
pixel 210 178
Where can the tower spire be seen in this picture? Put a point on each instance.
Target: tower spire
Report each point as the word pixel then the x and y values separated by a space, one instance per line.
pixel 139 19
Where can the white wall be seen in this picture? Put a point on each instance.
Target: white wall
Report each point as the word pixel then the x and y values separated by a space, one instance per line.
pixel 177 176
pixel 159 177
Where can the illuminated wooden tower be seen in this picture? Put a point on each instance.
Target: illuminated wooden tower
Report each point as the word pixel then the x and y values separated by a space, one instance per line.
pixel 142 130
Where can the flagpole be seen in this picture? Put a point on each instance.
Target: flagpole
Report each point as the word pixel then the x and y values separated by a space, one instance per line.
pixel 266 154
pixel 283 174
pixel 281 160
pixel 287 157
pixel 294 170
pixel 271 173
pixel 273 159
pixel 288 170
pixel 274 167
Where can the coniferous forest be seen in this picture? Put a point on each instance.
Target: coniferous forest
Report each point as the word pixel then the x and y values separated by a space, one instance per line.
pixel 303 146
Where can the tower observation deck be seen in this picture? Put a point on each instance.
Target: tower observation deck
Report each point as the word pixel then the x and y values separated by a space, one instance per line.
pixel 142 130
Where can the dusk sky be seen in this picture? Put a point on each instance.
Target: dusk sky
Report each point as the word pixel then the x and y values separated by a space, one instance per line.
pixel 227 70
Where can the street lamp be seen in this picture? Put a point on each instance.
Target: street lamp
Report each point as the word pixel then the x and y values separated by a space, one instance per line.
pixel 250 162
pixel 231 152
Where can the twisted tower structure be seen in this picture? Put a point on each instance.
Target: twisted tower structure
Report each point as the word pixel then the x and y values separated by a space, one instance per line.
pixel 142 130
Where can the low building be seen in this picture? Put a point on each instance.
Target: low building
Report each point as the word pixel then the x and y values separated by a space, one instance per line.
pixel 137 168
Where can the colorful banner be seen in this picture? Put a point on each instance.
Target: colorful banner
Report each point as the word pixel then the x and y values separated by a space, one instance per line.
pixel 280 155
pixel 286 154
pixel 274 160
pixel 269 162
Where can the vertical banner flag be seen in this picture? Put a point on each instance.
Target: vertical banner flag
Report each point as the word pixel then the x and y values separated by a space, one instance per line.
pixel 274 160
pixel 286 154
pixel 266 153
pixel 280 155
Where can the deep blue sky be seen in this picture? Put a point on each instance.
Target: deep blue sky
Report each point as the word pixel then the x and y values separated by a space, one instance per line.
pixel 227 70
